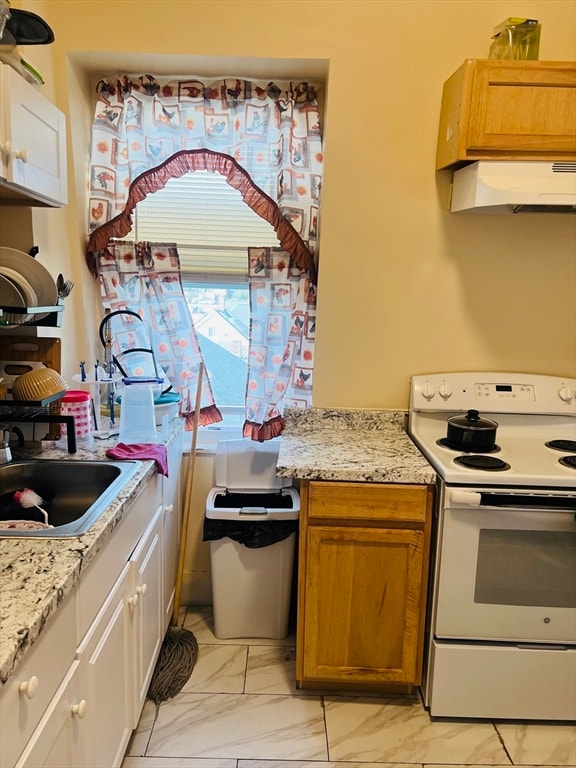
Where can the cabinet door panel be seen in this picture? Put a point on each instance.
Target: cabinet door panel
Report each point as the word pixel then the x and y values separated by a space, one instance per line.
pixel 107 655
pixel 59 739
pixel 36 138
pixel 522 109
pixel 363 605
pixel 147 608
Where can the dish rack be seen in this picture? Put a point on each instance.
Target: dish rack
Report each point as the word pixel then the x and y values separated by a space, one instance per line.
pixel 19 316
pixel 45 411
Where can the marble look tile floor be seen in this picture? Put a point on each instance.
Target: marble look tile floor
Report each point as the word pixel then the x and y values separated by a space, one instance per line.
pixel 241 709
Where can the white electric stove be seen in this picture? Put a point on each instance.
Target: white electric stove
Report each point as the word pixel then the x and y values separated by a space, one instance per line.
pixel 502 618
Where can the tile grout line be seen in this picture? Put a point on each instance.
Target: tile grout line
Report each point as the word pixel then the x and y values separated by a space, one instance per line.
pixel 501 739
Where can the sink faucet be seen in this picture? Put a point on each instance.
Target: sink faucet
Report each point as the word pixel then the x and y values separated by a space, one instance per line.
pixel 5 451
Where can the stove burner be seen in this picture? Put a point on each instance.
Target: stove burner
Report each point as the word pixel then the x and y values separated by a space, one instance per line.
pixel 562 445
pixel 568 461
pixel 445 443
pixel 489 463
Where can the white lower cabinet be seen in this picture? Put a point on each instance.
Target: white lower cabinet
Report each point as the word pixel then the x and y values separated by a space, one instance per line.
pixel 60 737
pixel 146 605
pixel 84 714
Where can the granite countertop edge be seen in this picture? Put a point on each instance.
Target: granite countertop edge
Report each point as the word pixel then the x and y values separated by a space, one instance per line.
pixel 48 569
pixel 349 445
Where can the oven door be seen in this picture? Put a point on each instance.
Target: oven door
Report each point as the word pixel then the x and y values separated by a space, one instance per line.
pixel 507 566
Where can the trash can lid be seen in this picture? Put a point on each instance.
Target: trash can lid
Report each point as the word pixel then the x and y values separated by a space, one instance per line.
pixel 247 465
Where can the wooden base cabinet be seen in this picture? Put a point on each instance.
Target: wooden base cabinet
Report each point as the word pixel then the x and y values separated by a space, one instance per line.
pixel 508 110
pixel 362 583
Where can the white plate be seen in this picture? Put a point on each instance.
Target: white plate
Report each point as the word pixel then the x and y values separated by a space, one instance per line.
pixel 37 276
pixel 11 296
pixel 22 284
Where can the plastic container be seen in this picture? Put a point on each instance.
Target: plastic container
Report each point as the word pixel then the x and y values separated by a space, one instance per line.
pixel 137 417
pixel 251 523
pixel 77 403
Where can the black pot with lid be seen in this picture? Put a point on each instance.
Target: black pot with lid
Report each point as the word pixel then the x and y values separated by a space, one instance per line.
pixel 472 433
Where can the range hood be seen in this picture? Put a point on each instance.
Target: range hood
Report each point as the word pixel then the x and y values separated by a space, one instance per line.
pixel 515 187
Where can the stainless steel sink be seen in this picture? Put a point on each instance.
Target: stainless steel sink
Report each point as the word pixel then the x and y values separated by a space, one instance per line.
pixel 74 493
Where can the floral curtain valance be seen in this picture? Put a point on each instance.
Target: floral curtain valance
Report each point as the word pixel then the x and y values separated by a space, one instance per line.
pixel 264 138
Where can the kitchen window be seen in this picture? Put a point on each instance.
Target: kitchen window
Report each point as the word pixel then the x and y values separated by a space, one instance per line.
pixel 213 228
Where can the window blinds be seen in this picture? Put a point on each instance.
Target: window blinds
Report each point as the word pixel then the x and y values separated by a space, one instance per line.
pixel 209 221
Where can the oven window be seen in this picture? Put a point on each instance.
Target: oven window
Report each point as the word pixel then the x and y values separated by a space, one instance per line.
pixel 534 568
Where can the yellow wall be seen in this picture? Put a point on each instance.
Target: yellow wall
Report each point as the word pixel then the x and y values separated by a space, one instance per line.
pixel 404 287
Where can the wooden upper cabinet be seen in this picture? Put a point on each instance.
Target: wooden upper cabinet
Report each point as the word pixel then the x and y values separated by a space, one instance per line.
pixel 508 110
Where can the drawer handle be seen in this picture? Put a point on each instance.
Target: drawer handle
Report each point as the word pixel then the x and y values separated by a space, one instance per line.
pixel 133 601
pixel 79 710
pixel 28 688
pixel 142 590
pixel 169 508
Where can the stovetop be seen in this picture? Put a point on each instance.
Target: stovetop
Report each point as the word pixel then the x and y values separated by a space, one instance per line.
pixel 530 411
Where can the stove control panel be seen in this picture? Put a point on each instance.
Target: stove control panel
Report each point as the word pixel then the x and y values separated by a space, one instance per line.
pixel 493 393
pixel 487 393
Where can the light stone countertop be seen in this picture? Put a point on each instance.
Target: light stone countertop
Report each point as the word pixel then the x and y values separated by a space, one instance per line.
pixel 350 445
pixel 37 574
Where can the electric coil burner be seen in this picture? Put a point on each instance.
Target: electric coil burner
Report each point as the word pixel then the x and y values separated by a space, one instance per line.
pixel 502 611
pixel 562 445
pixel 488 463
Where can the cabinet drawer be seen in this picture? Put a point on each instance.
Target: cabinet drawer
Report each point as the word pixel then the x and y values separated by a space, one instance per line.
pixel 367 501
pixel 48 661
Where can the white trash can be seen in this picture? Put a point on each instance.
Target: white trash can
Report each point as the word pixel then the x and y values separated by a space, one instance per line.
pixel 251 523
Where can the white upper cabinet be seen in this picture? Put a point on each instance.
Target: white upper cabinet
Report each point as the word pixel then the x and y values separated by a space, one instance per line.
pixel 32 144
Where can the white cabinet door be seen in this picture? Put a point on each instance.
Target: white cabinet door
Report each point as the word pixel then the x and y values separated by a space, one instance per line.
pixel 33 142
pixel 106 655
pixel 60 738
pixel 29 690
pixel 172 524
pixel 146 604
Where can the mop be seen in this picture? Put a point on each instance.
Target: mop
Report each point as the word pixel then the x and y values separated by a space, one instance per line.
pixel 179 650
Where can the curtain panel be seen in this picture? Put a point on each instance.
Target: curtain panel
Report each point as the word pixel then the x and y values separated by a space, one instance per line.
pixel 264 138
pixel 282 333
pixel 144 278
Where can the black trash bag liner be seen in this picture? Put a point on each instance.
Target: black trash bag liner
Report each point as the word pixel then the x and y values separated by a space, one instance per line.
pixel 253 535
pixel 231 500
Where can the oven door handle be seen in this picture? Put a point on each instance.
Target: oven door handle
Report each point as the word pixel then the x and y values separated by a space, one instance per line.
pixel 467 498
pixel 502 499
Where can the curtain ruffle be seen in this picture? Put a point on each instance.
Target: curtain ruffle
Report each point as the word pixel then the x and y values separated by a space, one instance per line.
pixel 201 160
pixel 262 432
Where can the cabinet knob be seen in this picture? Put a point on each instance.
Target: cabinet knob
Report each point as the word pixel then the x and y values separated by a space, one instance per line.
pixel 20 154
pixel 142 589
pixel 28 688
pixel 133 601
pixel 79 710
pixel 169 508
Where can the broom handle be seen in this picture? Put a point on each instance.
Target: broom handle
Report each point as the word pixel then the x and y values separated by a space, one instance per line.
pixel 187 498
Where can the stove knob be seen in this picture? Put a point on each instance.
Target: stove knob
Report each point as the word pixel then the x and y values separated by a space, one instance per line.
pixel 565 394
pixel 445 391
pixel 428 391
